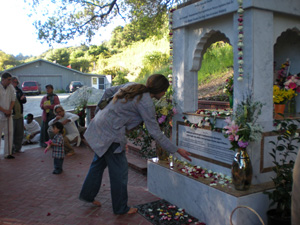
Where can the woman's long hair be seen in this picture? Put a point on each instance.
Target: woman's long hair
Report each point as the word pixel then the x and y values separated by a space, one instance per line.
pixel 156 84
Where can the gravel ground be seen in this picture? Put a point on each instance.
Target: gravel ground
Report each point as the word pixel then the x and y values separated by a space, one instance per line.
pixel 68 101
pixel 33 104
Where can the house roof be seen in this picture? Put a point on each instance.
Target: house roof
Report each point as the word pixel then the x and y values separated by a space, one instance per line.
pixel 54 64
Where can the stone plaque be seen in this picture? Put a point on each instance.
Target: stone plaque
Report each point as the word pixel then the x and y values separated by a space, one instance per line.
pixel 209 145
pixel 202 10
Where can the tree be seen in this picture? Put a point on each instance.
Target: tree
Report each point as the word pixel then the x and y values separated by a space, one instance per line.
pixel 63 20
pixel 7 61
pixel 60 56
pixel 80 61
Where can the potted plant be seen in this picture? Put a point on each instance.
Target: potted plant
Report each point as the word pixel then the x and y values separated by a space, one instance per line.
pixel 280 97
pixel 284 148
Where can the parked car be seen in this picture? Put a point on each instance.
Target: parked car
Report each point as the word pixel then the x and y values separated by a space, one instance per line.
pixel 73 86
pixel 31 87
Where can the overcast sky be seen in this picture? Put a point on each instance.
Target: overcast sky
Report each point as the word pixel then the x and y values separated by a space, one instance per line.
pixel 17 34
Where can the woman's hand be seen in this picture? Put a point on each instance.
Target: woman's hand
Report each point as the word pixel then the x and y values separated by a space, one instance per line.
pixel 185 154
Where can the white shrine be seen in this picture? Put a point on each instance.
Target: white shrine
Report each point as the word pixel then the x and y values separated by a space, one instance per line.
pixel 271 34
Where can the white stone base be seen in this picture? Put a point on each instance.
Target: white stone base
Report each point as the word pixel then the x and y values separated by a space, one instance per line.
pixel 208 204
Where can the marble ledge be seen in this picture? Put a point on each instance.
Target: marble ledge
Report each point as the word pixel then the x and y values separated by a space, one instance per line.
pixel 203 115
pixel 292 116
pixel 229 189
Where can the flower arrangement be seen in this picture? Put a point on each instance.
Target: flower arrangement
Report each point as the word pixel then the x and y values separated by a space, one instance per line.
pixel 242 127
pixel 293 82
pixel 165 111
pixel 282 95
pixel 228 89
pixel 282 73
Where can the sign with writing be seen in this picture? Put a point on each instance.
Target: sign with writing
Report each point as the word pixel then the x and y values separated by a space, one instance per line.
pixel 202 10
pixel 205 144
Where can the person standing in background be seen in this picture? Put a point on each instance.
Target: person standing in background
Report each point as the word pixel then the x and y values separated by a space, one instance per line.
pixel 18 123
pixel 7 101
pixel 48 103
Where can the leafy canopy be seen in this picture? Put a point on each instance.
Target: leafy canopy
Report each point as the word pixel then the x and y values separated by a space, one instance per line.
pixel 62 20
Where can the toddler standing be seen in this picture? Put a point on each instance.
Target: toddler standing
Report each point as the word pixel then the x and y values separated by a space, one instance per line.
pixel 57 144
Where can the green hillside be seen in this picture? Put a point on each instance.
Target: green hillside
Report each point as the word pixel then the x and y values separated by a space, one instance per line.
pixel 133 57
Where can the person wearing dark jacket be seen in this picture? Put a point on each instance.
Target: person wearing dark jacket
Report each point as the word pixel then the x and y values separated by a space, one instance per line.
pixel 18 120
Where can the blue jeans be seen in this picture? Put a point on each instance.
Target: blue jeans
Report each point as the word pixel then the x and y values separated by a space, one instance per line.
pixel 58 163
pixel 118 175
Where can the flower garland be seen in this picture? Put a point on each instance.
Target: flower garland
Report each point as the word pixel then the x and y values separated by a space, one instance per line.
pixel 171 37
pixel 240 40
pixel 209 118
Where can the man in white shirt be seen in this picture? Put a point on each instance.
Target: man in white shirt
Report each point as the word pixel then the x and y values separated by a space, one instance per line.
pixel 72 134
pixel 7 102
pixel 32 130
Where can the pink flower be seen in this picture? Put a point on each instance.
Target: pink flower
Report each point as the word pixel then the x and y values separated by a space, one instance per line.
pixel 292 85
pixel 233 129
pixel 233 137
pixel 228 120
pixel 174 111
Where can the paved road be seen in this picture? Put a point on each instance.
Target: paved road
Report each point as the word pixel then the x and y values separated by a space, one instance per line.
pixel 33 103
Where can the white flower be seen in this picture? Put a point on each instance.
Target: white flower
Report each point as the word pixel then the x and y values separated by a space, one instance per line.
pixel 241 62
pixel 241 53
pixel 241 36
pixel 240 10
pixel 240 44
pixel 241 70
pixel 296 134
pixel 278 127
pixel 240 78
pixel 240 27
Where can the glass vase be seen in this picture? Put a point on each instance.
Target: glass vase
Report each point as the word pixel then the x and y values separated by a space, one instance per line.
pixel 292 106
pixel 241 170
